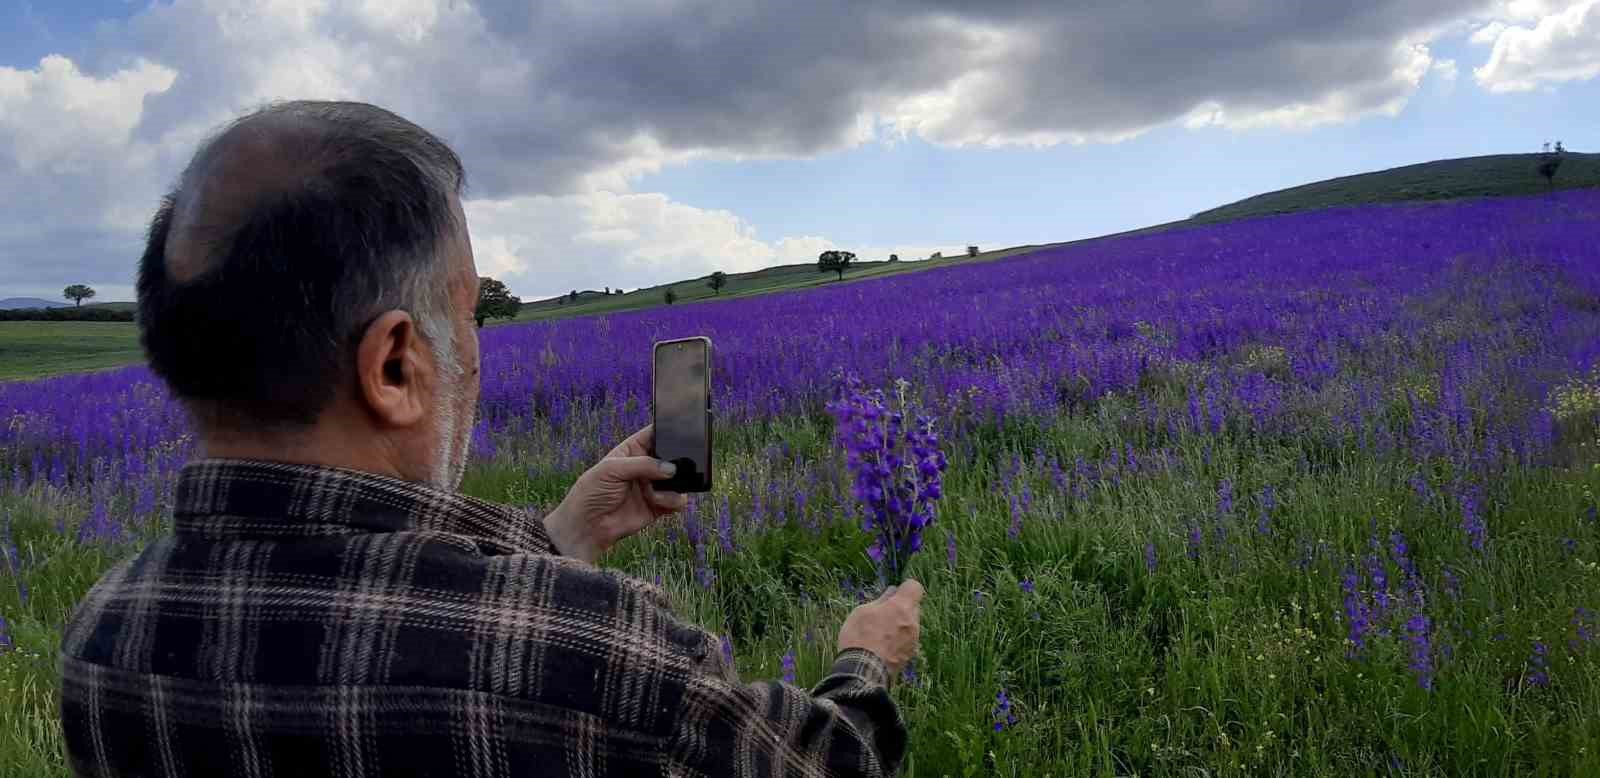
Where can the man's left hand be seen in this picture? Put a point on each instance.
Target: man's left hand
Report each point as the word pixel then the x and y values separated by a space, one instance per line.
pixel 612 500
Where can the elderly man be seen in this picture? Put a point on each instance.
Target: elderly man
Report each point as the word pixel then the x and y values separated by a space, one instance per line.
pixel 326 603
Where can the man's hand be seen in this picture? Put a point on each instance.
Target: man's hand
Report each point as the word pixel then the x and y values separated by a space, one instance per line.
pixel 888 626
pixel 612 500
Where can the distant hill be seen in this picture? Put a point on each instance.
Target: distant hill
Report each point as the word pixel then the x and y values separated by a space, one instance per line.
pixel 15 303
pixel 1498 175
pixel 114 306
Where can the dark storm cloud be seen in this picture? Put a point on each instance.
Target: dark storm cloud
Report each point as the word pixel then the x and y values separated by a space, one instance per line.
pixel 563 97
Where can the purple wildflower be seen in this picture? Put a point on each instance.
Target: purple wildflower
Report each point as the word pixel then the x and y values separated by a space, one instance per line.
pixel 1472 520
pixel 1539 666
pixel 909 674
pixel 5 635
pixel 950 548
pixel 1358 617
pixel 1003 715
pixel 897 467
pixel 1225 497
pixel 1195 539
pixel 1027 585
pixel 1417 634
pixel 788 666
pixel 727 651
pixel 1150 557
pixel 1015 530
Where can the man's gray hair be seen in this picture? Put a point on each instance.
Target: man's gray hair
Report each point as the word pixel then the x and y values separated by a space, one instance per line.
pixel 290 230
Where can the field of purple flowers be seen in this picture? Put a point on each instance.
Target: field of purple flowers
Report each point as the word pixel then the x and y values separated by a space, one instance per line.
pixel 1311 494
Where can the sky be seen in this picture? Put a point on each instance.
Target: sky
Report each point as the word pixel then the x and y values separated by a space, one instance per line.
pixel 635 142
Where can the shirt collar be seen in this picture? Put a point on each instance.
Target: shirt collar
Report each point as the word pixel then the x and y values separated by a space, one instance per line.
pixel 231 498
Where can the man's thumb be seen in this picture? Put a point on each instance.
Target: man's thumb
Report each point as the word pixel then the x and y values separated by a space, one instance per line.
pixel 636 468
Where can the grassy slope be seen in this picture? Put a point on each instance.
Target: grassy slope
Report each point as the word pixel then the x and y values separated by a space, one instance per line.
pixel 1489 176
pixel 32 349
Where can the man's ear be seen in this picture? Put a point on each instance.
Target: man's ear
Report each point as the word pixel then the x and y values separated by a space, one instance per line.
pixel 391 375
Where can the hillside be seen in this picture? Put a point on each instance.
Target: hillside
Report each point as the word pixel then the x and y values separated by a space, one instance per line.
pixel 19 303
pixel 1498 175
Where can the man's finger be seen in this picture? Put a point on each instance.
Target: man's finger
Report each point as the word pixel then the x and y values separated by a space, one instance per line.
pixel 911 590
pixel 636 468
pixel 670 502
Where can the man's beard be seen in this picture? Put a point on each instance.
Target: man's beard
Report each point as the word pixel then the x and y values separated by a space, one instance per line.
pixel 450 444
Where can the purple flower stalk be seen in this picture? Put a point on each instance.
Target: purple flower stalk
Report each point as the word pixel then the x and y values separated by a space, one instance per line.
pixel 1003 715
pixel 897 466
pixel 788 666
pixel 1358 617
pixel 1027 585
pixel 1150 557
pixel 1539 666
pixel 950 548
pixel 1417 635
pixel 1225 497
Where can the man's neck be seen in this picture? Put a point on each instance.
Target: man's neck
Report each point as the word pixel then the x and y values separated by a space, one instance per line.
pixel 320 444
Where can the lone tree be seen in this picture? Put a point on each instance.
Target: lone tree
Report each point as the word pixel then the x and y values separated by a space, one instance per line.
pixel 835 261
pixel 718 280
pixel 670 296
pixel 572 296
pixel 77 293
pixel 495 302
pixel 972 251
pixel 1549 163
pixel 894 257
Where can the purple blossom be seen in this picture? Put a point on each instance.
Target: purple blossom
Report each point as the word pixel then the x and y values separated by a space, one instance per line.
pixel 1539 666
pixel 1418 636
pixel 5 635
pixel 1196 538
pixel 1150 557
pixel 897 468
pixel 1472 520
pixel 727 651
pixel 788 666
pixel 1003 715
pixel 1357 615
pixel 1027 585
pixel 1225 498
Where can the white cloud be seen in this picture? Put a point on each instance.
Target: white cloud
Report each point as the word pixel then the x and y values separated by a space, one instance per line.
pixel 1556 44
pixel 55 119
pixel 544 245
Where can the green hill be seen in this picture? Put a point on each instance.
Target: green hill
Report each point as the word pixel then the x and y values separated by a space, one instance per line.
pixel 1498 175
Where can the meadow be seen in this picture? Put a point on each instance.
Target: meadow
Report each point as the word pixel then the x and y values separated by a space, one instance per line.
pixel 33 349
pixel 1312 494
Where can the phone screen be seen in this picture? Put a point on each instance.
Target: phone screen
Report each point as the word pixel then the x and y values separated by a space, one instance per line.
pixel 682 408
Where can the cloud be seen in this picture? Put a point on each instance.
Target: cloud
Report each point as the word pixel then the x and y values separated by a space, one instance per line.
pixel 1558 42
pixel 544 245
pixel 572 102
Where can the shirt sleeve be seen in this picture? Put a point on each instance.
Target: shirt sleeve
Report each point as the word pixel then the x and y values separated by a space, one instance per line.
pixel 847 725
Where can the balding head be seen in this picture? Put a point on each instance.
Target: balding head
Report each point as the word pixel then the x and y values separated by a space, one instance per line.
pixel 291 231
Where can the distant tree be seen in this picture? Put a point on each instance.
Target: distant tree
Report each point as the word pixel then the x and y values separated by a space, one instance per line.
pixel 572 296
pixel 972 251
pixel 835 262
pixel 495 302
pixel 671 296
pixel 77 293
pixel 718 280
pixel 1549 163
pixel 894 257
pixel 936 255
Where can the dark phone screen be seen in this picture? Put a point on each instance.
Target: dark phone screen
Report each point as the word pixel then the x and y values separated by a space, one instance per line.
pixel 682 399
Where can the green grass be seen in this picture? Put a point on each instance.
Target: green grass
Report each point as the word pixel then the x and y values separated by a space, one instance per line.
pixel 1231 663
pixel 34 349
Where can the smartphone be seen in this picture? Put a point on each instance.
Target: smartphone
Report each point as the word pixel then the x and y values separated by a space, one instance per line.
pixel 681 412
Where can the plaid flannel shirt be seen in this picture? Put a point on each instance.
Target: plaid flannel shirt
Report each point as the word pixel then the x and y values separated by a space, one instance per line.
pixel 304 621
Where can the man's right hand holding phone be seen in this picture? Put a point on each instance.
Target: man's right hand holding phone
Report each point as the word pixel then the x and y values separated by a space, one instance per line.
pixel 889 626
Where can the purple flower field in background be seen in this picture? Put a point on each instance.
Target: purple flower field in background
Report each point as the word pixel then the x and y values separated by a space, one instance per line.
pixel 1254 318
